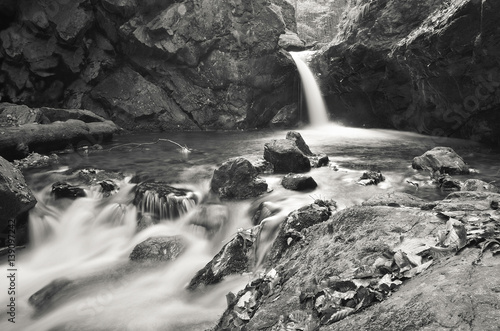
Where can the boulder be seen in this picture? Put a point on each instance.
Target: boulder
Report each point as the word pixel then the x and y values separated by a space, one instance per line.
pixel 371 268
pixel 161 201
pixel 286 157
pixel 478 185
pixel 442 159
pixel 447 183
pixel 319 160
pixel 299 141
pixel 234 258
pixel 237 178
pixel 15 196
pixel 159 249
pixel 291 230
pixel 298 182
pixel 65 190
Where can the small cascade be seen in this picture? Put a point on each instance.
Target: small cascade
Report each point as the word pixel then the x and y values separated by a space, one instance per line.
pixel 159 201
pixel 318 114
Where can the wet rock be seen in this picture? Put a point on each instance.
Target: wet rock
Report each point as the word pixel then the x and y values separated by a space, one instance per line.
pixel 442 159
pixel 265 210
pixel 371 178
pixel 162 201
pixel 478 185
pixel 64 190
pixel 396 199
pixel 298 182
pixel 262 166
pixel 35 160
pixel 299 141
pixel 159 249
pixel 319 160
pixel 447 183
pixel 237 179
pixel 92 176
pixel 234 258
pixel 290 231
pixel 43 299
pixel 15 196
pixel 285 156
pixel 124 8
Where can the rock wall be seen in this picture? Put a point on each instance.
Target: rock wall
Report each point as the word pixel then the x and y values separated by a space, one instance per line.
pixel 420 65
pixel 192 64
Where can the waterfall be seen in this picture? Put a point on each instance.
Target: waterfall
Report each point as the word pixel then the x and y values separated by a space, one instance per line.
pixel 316 108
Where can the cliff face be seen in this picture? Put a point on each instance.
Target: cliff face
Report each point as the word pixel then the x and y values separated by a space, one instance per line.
pixel 421 65
pixel 192 64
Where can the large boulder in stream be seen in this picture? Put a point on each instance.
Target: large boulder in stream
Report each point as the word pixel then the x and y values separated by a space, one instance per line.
pixel 298 182
pixel 381 267
pixel 159 249
pixel 293 154
pixel 237 179
pixel 286 156
pixel 442 159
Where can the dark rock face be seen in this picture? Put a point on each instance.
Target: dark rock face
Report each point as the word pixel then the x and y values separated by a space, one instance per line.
pixel 159 249
pixel 298 182
pixel 237 179
pixel 15 196
pixel 65 190
pixel 286 156
pixel 442 159
pixel 151 64
pixel 396 65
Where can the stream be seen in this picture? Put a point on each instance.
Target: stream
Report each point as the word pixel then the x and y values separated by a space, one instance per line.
pixel 89 239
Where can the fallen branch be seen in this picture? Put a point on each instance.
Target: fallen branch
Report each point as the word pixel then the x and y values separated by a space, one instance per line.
pixel 184 149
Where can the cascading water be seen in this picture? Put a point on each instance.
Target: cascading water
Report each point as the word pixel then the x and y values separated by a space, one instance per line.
pixel 318 114
pixel 88 240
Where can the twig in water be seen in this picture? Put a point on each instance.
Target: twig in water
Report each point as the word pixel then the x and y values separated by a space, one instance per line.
pixel 184 149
